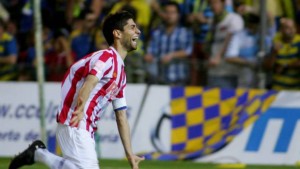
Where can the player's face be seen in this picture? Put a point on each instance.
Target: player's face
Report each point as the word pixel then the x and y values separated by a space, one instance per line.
pixel 130 36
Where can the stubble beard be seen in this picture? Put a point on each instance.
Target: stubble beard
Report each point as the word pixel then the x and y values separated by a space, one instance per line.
pixel 127 44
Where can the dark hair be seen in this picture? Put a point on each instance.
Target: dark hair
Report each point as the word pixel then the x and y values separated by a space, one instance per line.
pixel 130 9
pixel 172 3
pixel 115 21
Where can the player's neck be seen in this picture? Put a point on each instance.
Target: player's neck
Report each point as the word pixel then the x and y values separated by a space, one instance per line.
pixel 122 52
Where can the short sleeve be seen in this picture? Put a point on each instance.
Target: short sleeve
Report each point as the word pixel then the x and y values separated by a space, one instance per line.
pixel 100 66
pixel 120 102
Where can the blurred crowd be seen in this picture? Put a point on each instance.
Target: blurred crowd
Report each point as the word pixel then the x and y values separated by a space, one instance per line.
pixel 215 43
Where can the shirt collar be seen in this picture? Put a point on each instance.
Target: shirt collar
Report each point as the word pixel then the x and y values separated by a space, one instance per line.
pixel 118 55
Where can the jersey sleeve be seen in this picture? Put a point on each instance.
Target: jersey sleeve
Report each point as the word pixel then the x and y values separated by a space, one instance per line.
pixel 120 102
pixel 100 66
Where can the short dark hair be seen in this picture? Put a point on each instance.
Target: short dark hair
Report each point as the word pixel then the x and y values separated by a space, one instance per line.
pixel 172 3
pixel 115 21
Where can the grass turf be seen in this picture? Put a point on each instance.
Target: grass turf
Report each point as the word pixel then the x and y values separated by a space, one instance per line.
pixel 122 164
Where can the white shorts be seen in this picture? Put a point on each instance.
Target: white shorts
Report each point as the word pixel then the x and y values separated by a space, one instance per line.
pixel 78 146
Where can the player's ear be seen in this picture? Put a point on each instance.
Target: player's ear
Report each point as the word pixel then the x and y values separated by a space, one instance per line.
pixel 117 33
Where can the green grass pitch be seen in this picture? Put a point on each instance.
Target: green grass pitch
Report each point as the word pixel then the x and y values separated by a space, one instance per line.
pixel 122 164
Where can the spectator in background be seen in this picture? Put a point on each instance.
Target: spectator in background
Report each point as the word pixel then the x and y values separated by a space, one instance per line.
pixel 74 8
pixel 199 16
pixel 87 36
pixel 243 8
pixel 11 28
pixel 224 26
pixel 284 61
pixel 168 46
pixel 242 51
pixel 4 14
pixel 58 57
pixel 8 55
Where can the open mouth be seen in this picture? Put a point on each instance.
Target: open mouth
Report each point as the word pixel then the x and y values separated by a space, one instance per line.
pixel 135 39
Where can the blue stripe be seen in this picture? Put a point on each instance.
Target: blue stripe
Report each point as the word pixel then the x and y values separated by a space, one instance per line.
pixel 121 108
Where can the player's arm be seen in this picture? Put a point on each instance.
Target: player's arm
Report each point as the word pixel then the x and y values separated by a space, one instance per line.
pixel 83 95
pixel 124 132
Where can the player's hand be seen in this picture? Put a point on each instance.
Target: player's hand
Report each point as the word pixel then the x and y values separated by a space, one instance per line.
pixel 134 161
pixel 77 114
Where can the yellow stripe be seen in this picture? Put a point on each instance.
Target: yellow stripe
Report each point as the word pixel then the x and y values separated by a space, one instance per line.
pixel 286 80
pixel 6 37
pixel 8 77
pixel 193 91
pixel 286 61
pixel 278 87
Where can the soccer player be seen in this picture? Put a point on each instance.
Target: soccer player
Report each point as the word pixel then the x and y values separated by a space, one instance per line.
pixel 89 86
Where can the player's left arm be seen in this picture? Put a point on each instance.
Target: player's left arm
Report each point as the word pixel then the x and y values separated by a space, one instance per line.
pixel 120 107
pixel 124 131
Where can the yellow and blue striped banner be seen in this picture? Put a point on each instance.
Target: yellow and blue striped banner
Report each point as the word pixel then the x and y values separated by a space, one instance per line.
pixel 204 120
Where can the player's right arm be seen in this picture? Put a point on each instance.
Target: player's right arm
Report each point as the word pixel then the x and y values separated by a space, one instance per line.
pixel 83 96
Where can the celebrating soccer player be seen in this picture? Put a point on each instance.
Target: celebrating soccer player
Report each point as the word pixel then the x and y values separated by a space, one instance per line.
pixel 88 87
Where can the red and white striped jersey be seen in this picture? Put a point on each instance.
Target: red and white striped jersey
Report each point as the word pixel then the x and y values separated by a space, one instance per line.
pixel 108 66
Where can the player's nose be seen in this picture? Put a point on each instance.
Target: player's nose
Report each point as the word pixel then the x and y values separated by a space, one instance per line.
pixel 137 31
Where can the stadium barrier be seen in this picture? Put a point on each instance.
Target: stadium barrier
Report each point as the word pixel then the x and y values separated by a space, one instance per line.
pixel 272 139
